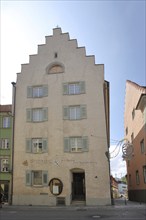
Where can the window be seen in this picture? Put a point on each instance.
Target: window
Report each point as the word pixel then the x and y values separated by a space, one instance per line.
pixel 4 165
pixel 37 114
pixel 142 146
pixel 37 91
pixel 6 122
pixel 36 178
pixel 126 130
pixel 74 112
pixel 4 143
pixel 144 173
pixel 55 55
pixel 36 145
pixel 133 113
pixel 137 177
pixel 75 144
pixel 130 181
pixel 132 137
pixel 74 88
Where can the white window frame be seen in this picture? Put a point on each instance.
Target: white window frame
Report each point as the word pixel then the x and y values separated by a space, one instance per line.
pixel 6 122
pixel 5 143
pixel 74 88
pixel 37 145
pixel 37 91
pixel 76 144
pixel 74 112
pixel 5 165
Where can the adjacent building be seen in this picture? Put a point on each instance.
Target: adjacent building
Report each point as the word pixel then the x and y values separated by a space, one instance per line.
pixel 135 132
pixel 61 129
pixel 6 124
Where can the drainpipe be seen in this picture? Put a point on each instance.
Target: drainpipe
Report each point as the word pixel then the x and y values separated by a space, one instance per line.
pixel 12 152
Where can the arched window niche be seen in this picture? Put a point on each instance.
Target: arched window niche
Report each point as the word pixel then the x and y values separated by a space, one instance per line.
pixel 54 68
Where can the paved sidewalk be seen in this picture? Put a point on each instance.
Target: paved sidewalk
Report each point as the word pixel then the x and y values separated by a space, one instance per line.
pixel 124 202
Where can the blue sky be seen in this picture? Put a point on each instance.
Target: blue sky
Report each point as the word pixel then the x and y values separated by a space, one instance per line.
pixel 113 31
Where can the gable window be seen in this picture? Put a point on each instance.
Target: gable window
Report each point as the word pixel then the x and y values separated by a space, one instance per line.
pixel 142 146
pixel 37 114
pixel 36 145
pixel 74 88
pixel 4 165
pixel 74 112
pixel 76 144
pixel 36 178
pixel 37 91
pixel 5 143
pixel 6 122
pixel 137 177
pixel 55 67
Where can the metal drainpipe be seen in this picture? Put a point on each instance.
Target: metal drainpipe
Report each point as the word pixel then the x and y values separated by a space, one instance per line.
pixel 13 119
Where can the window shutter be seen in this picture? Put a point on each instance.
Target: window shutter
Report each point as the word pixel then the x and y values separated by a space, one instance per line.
pixel 45 90
pixel 65 88
pixel 28 145
pixel 83 111
pixel 45 114
pixel 45 145
pixel 85 143
pixel 45 178
pixel 65 112
pixel 28 178
pixel 28 114
pixel 29 91
pixel 66 144
pixel 82 87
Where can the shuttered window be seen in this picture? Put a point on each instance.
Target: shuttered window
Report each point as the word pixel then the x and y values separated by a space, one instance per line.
pixel 36 145
pixel 74 112
pixel 74 88
pixel 36 178
pixel 37 114
pixel 37 91
pixel 76 144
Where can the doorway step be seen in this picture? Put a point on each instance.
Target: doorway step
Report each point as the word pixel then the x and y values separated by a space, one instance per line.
pixel 78 203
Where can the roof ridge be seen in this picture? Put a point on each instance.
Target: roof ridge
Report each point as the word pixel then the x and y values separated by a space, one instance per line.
pixel 137 86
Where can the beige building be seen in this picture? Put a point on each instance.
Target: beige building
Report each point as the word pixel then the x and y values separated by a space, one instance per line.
pixel 135 132
pixel 61 134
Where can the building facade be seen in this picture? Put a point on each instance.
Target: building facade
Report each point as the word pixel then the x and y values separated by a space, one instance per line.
pixel 5 151
pixel 61 134
pixel 135 132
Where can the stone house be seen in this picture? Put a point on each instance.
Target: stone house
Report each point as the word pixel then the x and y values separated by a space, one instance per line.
pixel 61 127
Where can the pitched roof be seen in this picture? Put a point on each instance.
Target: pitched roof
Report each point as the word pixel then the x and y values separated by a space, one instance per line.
pixel 5 108
pixel 142 88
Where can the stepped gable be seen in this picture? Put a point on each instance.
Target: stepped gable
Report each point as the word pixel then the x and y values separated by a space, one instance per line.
pixel 57 32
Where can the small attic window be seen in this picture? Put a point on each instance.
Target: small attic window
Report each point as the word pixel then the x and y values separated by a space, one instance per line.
pixel 55 68
pixel 55 55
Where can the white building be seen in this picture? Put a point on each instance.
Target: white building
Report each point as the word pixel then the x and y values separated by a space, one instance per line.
pixel 61 134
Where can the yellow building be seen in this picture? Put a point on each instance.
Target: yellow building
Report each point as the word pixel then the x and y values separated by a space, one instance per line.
pixel 61 134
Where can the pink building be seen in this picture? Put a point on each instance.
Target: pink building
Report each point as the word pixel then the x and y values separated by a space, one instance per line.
pixel 135 133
